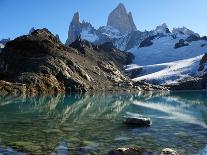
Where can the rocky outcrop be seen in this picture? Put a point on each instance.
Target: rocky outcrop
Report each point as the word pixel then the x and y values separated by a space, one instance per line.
pixel 121 20
pixel 192 83
pixel 181 43
pixel 203 64
pixel 77 27
pixel 147 42
pixel 40 64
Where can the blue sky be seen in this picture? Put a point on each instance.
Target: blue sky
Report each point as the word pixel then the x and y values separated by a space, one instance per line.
pixel 18 16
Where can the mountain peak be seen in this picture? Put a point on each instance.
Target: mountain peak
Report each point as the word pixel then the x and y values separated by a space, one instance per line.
pixel 163 28
pixel 76 18
pixel 121 6
pixel 121 20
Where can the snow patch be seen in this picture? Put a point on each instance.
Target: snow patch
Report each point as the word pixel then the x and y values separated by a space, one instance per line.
pixel 167 73
pixel 86 35
pixel 163 51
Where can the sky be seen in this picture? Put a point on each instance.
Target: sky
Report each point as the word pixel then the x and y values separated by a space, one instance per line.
pixel 17 17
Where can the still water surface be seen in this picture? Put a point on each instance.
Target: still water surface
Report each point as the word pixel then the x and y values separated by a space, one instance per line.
pixel 92 123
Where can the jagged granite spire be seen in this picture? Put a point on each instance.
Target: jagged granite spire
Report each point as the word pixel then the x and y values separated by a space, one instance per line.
pixel 73 28
pixel 121 20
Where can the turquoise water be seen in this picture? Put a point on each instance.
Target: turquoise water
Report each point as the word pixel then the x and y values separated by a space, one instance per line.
pixel 92 123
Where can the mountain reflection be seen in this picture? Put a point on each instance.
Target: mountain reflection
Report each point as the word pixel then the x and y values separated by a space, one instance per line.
pixel 179 118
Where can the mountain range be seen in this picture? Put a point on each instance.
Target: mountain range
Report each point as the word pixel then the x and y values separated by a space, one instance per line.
pixel 113 57
pixel 152 49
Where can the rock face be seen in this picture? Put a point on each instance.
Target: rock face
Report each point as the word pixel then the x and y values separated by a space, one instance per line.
pixel 77 27
pixel 121 20
pixel 181 43
pixel 39 64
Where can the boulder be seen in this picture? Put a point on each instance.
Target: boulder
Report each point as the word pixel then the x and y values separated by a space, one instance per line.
pixel 138 121
pixel 168 151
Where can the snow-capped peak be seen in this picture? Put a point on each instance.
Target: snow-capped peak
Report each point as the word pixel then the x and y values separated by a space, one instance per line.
pixel 163 29
pixel 184 31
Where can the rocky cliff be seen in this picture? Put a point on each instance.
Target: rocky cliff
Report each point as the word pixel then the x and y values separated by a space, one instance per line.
pixel 121 20
pixel 39 64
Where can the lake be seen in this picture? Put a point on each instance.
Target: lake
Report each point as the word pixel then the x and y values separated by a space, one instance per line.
pixel 92 123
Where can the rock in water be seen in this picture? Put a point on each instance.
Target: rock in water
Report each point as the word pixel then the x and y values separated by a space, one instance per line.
pixel 61 149
pixel 130 151
pixel 121 20
pixel 168 151
pixel 140 122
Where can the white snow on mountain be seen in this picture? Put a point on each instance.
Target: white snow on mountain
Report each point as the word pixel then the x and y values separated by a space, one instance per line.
pixel 184 31
pixel 162 29
pixel 110 32
pixel 163 51
pixel 167 73
pixel 86 35
pixel 1 45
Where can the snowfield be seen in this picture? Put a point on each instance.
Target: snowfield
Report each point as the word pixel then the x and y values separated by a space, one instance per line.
pixel 168 73
pixel 163 51
pixel 161 63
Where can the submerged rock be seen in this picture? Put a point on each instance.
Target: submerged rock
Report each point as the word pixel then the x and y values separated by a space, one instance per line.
pixel 140 121
pixel 9 151
pixel 61 149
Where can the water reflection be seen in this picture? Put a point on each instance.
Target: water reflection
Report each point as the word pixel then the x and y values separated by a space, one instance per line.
pixel 92 123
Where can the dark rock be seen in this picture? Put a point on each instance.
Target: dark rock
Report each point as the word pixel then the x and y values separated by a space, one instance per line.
pixel 193 38
pixel 40 64
pixel 142 85
pixel 204 38
pixel 203 45
pixel 193 83
pixel 181 43
pixel 202 62
pixel 79 45
pixel 132 73
pixel 147 42
pixel 140 122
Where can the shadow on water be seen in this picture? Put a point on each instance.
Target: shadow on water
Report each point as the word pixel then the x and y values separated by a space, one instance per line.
pixel 92 123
